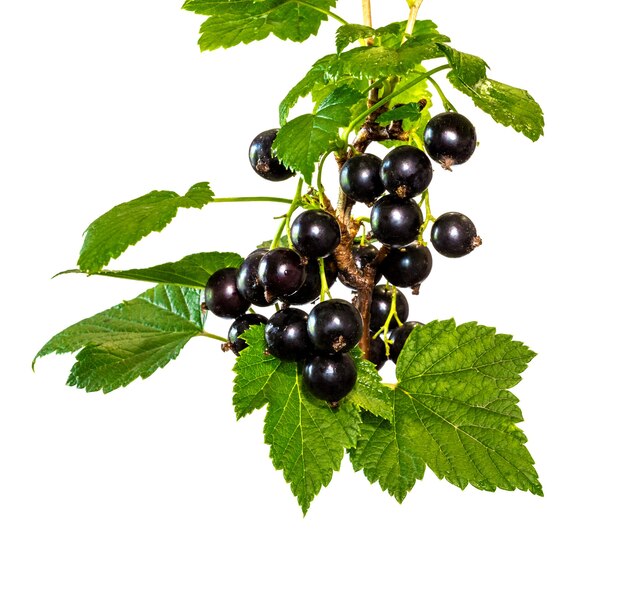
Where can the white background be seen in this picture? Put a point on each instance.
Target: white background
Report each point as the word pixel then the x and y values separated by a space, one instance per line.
pixel 156 486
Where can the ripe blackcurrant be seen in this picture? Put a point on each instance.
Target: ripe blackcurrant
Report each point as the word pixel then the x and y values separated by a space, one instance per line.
pixel 399 337
pixel 334 326
pixel 363 255
pixel 406 171
pixel 239 326
pixel 378 354
pixel 263 161
pixel 454 235
pixel 395 221
pixel 330 377
pixel 315 233
pixel 382 297
pixel 282 272
pixel 221 295
pixel 249 284
pixel 312 285
pixel 286 334
pixel 360 178
pixel 450 138
pixel 407 267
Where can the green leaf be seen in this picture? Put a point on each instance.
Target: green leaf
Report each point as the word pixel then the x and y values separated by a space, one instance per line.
pixel 369 393
pixel 301 141
pixel 453 411
pixel 468 68
pixel 347 34
pixel 130 340
pixel 412 111
pixel 191 271
pixel 243 21
pixel 307 438
pixel 112 233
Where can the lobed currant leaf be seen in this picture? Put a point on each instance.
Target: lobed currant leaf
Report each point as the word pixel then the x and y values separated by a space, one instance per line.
pixel 369 393
pixel 130 340
pixel 347 34
pixel 126 224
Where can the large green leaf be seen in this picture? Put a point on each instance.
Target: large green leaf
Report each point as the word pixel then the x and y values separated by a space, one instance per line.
pixel 130 340
pixel 112 233
pixel 243 21
pixel 369 393
pixel 453 412
pixel 191 271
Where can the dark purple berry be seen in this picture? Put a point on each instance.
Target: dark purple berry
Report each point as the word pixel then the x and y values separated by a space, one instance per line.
pixel 450 138
pixel 282 272
pixel 263 161
pixel 399 337
pixel 221 295
pixel 395 221
pixel 363 255
pixel 382 297
pixel 312 285
pixel 408 266
pixel 454 235
pixel 360 178
pixel 239 326
pixel 286 335
pixel 378 354
pixel 330 377
pixel 406 171
pixel 248 282
pixel 315 233
pixel 334 326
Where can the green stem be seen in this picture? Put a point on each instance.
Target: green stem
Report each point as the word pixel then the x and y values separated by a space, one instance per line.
pixel 326 12
pixel 359 118
pixel 213 336
pixel 428 217
pixel 294 205
pixel 324 289
pixel 279 233
pixel 447 105
pixel 247 199
pixel 384 329
pixel 320 168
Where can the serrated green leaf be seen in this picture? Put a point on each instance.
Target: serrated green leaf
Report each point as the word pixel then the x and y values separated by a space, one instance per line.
pixel 468 68
pixel 453 411
pixel 507 105
pixel 411 111
pixel 130 340
pixel 307 438
pixel 243 21
pixel 191 271
pixel 369 393
pixel 126 224
pixel 347 34
pixel 301 141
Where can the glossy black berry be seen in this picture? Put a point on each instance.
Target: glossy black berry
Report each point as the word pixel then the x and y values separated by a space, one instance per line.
pixel 248 281
pixel 286 335
pixel 221 295
pixel 406 171
pixel 382 296
pixel 315 233
pixel 454 235
pixel 239 326
pixel 282 272
pixel 450 138
pixel 263 162
pixel 330 377
pixel 408 266
pixel 360 178
pixel 399 337
pixel 334 326
pixel 378 354
pixel 312 285
pixel 395 221
pixel 363 255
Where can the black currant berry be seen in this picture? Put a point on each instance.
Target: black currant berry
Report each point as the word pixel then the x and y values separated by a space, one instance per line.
pixel 221 295
pixel 407 267
pixel 330 377
pixel 249 284
pixel 360 178
pixel 406 171
pixel 454 235
pixel 312 285
pixel 395 221
pixel 378 354
pixel 315 233
pixel 282 272
pixel 334 326
pixel 450 138
pixel 263 162
pixel 239 326
pixel 382 297
pixel 363 255
pixel 286 335
pixel 399 337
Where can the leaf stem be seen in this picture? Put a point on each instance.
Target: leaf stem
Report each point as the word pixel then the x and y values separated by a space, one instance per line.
pixel 367 13
pixel 414 6
pixel 213 336
pixel 361 116
pixel 323 11
pixel 447 105
pixel 248 199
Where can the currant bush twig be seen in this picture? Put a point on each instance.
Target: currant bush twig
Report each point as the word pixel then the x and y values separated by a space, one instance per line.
pixel 414 6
